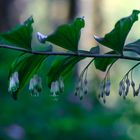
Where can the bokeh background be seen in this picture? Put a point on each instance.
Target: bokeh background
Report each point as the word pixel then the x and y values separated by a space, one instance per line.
pixel 42 118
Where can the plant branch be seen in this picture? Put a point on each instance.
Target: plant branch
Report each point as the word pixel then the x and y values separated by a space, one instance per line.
pixel 78 54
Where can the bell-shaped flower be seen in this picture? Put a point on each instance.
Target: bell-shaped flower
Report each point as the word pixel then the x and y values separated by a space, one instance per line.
pixel 35 85
pixel 54 88
pixel 14 82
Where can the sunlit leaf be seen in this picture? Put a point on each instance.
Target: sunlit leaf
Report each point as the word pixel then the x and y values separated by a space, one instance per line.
pixel 26 65
pixel 20 36
pixel 116 38
pixel 66 36
pixel 103 63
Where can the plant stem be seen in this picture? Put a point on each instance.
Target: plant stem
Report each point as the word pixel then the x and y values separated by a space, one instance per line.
pixel 131 69
pixel 78 54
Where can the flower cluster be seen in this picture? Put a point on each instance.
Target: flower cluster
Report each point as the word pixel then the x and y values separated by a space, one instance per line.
pixel 35 85
pixel 57 86
pixel 124 87
pixel 104 89
pixel 13 83
pixel 82 88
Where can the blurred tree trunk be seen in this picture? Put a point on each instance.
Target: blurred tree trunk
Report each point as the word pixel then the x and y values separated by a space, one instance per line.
pixel 73 9
pixel 4 14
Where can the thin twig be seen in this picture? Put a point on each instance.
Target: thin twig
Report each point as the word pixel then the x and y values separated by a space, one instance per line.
pixel 78 54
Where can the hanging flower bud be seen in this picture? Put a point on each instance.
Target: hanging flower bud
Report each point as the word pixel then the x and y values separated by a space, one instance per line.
pixel 13 83
pixel 76 91
pixel 41 37
pixel 104 99
pixel 78 87
pixel 121 86
pixel 81 93
pixel 126 91
pixel 85 88
pixel 133 87
pixel 102 86
pixel 82 88
pixel 35 85
pixel 107 87
pixel 123 90
pixel 137 91
pixel 127 82
pixel 127 86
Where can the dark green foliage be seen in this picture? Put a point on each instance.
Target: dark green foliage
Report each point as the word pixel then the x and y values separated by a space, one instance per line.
pixel 67 36
pixel 20 36
pixel 116 38
pixel 103 63
pixel 62 66
pixel 95 50
pixel 26 65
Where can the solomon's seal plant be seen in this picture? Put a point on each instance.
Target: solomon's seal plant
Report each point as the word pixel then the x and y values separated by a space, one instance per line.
pixel 25 68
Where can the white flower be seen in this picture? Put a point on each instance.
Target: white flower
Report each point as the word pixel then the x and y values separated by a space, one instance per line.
pixel 35 85
pixel 41 37
pixel 14 82
pixel 54 88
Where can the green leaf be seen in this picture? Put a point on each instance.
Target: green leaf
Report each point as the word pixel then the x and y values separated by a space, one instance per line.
pixel 43 48
pixel 133 47
pixel 62 66
pixel 26 65
pixel 116 38
pixel 67 36
pixel 103 63
pixel 95 50
pixel 20 36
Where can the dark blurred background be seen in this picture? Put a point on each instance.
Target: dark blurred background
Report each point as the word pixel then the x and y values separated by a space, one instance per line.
pixel 42 118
